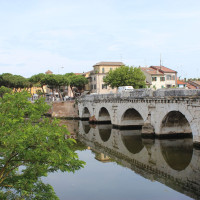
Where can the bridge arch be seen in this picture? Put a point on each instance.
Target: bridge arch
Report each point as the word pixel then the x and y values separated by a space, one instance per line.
pixel 175 122
pixel 86 114
pixel 104 115
pixel 131 117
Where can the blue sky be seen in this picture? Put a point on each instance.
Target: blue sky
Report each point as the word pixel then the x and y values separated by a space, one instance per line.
pixel 72 35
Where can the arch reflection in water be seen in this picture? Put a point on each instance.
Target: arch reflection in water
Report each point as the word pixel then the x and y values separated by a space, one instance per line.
pixel 105 131
pixel 86 126
pixel 177 153
pixel 132 140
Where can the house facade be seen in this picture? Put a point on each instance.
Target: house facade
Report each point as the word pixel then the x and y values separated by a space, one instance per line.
pixel 100 70
pixel 160 77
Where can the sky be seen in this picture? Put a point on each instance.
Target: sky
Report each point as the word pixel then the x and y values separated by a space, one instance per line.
pixel 72 35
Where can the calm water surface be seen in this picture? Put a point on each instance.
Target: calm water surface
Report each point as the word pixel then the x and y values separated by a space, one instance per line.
pixel 121 165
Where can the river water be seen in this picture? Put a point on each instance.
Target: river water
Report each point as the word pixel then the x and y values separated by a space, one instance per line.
pixel 122 165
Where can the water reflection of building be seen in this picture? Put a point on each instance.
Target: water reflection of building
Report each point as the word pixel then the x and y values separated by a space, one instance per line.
pixel 102 157
pixel 72 127
pixel 172 162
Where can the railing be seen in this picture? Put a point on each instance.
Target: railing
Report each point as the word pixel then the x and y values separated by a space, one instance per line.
pixel 145 93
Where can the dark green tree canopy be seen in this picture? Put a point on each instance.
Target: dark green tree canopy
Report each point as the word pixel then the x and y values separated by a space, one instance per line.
pixel 77 81
pixel 125 76
pixel 13 81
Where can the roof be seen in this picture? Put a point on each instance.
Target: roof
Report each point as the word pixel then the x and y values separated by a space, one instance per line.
pixel 197 82
pixel 48 72
pixel 163 69
pixel 179 82
pixel 189 86
pixel 151 71
pixel 109 64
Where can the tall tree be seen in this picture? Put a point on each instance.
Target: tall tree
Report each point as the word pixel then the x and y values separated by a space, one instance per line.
pixel 36 80
pixel 35 143
pixel 76 81
pixel 125 76
pixel 13 81
pixel 55 81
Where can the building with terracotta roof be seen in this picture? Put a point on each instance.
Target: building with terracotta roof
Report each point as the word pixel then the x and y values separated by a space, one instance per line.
pixel 48 72
pixel 100 70
pixel 192 84
pixel 160 77
pixel 181 84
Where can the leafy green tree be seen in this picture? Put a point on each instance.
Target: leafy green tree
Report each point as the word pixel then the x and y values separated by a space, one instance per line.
pixel 55 81
pixel 125 76
pixel 13 81
pixel 31 146
pixel 4 90
pixel 36 80
pixel 76 81
pixel 6 79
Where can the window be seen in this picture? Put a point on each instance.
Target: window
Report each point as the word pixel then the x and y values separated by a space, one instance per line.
pixel 162 78
pixel 154 78
pixel 91 87
pixel 169 77
pixel 102 70
pixel 111 69
pixel 94 78
pixel 104 86
pixel 95 87
pixel 173 77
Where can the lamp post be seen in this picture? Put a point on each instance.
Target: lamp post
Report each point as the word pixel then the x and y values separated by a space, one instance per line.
pixel 61 68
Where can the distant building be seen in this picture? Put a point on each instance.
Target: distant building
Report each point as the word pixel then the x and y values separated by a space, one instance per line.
pixel 48 72
pixel 100 70
pixel 160 77
pixel 193 84
pixel 181 84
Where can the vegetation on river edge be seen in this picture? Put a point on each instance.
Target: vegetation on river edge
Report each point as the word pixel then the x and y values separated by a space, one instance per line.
pixel 31 146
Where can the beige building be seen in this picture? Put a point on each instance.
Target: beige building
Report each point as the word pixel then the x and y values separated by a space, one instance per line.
pixel 100 70
pixel 160 77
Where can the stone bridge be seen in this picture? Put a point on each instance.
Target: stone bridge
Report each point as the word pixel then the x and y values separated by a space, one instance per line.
pixel 163 113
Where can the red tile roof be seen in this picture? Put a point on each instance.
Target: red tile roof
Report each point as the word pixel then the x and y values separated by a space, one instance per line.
pixel 151 71
pixel 163 69
pixel 48 72
pixel 179 82
pixel 191 86
pixel 109 64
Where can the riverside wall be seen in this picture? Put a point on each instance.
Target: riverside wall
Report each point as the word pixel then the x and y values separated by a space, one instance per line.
pixel 64 109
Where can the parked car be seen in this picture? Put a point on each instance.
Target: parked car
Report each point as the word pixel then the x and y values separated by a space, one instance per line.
pixel 125 89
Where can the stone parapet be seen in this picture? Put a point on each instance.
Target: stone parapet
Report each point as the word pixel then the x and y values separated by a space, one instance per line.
pixel 168 94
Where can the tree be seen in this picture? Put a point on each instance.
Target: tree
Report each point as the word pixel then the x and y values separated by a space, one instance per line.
pixel 36 80
pixel 77 81
pixel 125 76
pixel 13 81
pixel 36 144
pixel 4 90
pixel 55 81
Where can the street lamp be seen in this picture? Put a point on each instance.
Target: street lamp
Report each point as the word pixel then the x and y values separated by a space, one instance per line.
pixel 61 68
